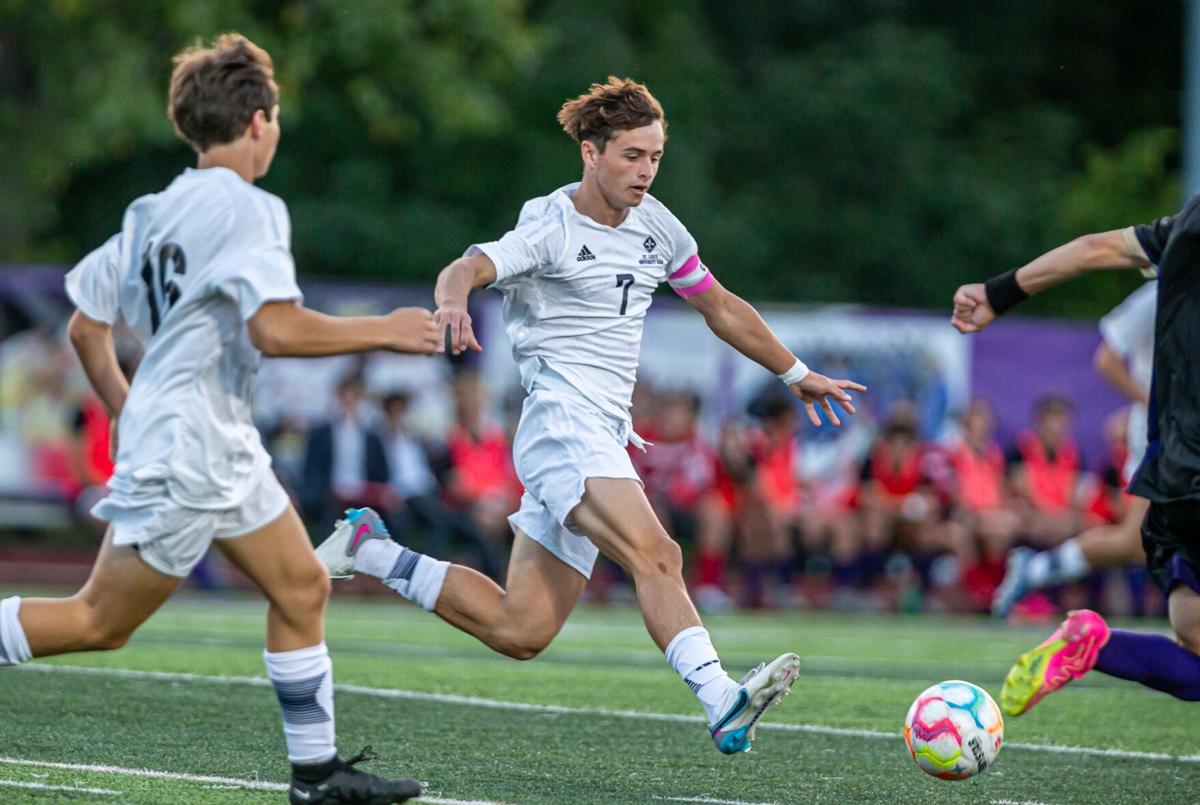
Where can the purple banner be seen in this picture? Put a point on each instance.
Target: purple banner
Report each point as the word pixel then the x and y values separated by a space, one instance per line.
pixel 1016 361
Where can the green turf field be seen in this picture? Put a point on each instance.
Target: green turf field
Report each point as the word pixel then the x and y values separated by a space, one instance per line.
pixel 182 715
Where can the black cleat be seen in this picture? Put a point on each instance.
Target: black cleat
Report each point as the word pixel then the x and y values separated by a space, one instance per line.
pixel 348 784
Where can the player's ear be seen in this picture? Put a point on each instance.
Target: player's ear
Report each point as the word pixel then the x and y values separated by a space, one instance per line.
pixel 258 122
pixel 589 152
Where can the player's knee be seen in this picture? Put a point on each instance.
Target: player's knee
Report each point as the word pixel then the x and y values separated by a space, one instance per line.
pixel 306 597
pixel 111 639
pixel 524 641
pixel 522 646
pixel 100 629
pixel 661 557
pixel 103 636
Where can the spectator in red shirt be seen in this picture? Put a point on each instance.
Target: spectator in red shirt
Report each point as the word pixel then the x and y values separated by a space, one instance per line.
pixel 1046 472
pixel 897 502
pixel 481 480
pixel 983 522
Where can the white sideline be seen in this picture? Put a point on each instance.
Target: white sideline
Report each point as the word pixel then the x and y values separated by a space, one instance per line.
pixel 494 704
pixel 710 801
pixel 107 792
pixel 257 785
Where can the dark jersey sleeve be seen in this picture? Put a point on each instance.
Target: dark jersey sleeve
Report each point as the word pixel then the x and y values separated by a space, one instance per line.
pixel 1153 237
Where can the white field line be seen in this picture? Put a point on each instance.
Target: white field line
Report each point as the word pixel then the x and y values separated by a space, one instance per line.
pixel 237 782
pixel 555 709
pixel 108 792
pixel 710 801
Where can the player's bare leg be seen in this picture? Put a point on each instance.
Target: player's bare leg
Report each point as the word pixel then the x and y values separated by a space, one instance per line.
pixel 617 517
pixel 1102 546
pixel 119 595
pixel 1119 543
pixel 279 559
pixel 518 620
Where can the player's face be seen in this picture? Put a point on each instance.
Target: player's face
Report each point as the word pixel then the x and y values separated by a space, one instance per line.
pixel 626 168
pixel 267 142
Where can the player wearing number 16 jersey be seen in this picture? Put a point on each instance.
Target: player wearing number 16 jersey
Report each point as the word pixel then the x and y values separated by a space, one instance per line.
pixel 577 274
pixel 202 273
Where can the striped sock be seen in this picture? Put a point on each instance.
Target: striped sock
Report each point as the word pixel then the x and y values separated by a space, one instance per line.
pixel 413 575
pixel 303 681
pixel 693 657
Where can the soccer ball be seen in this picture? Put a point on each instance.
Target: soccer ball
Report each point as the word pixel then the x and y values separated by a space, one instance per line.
pixel 954 730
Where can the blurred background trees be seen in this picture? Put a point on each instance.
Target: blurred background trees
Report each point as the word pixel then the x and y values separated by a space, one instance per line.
pixel 881 151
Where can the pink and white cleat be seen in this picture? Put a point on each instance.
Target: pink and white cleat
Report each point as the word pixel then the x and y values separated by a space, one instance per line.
pixel 338 550
pixel 1067 654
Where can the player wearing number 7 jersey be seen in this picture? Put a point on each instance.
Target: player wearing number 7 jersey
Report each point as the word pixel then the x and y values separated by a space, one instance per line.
pixel 202 273
pixel 577 276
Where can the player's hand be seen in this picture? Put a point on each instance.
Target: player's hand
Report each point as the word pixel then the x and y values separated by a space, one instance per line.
pixel 413 330
pixel 972 312
pixel 817 389
pixel 455 323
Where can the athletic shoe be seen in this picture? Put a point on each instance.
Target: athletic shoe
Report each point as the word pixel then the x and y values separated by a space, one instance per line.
pixel 348 784
pixel 337 551
pixel 733 731
pixel 1067 654
pixel 1015 584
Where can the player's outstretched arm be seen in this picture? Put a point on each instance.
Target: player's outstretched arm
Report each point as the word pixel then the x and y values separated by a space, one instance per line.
pixel 285 329
pixel 976 305
pixel 454 285
pixel 737 323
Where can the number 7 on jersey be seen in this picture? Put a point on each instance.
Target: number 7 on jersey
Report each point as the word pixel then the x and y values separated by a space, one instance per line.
pixel 625 280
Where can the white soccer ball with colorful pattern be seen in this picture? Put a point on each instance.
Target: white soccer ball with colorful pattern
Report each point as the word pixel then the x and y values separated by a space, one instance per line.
pixel 954 730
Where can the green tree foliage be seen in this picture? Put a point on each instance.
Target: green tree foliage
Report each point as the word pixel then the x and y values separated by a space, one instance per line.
pixel 881 151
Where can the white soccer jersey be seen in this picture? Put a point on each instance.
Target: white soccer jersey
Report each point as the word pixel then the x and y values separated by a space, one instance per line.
pixel 576 291
pixel 189 267
pixel 1129 330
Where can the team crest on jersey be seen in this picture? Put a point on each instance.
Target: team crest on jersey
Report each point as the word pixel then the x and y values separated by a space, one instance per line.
pixel 649 258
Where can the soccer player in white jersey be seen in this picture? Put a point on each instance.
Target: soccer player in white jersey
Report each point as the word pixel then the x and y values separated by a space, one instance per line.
pixel 1125 358
pixel 203 274
pixel 577 274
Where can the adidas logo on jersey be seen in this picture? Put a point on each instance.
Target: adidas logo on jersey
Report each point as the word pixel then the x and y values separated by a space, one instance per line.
pixel 584 254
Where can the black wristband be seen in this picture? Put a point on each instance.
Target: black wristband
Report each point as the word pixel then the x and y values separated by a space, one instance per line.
pixel 1003 292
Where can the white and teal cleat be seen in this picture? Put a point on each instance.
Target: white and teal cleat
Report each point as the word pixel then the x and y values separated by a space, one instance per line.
pixel 338 549
pixel 1015 584
pixel 762 687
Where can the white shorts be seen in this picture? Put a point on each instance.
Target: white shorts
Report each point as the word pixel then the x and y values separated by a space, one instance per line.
pixel 560 443
pixel 172 538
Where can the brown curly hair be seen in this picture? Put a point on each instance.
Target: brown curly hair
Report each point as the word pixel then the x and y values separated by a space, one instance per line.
pixel 605 109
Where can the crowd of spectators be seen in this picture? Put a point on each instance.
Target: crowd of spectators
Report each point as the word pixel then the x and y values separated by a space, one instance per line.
pixel 877 517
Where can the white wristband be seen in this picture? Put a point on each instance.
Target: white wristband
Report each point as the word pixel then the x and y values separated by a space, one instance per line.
pixel 794 375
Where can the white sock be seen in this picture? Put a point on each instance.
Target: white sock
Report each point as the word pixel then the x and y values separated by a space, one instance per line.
pixel 693 657
pixel 1062 564
pixel 376 557
pixel 1072 564
pixel 14 647
pixel 303 681
pixel 415 576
